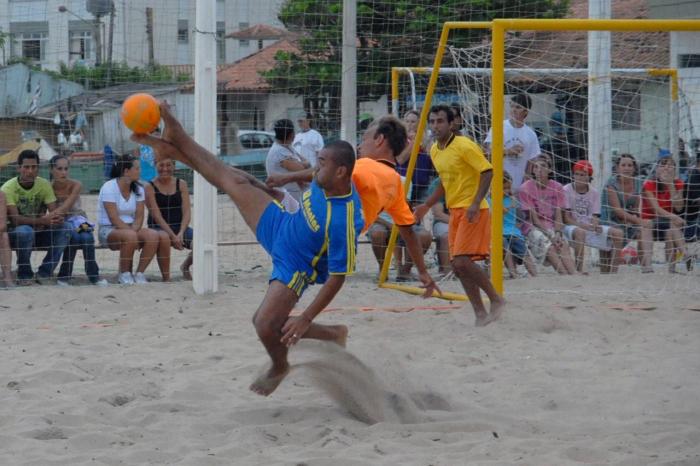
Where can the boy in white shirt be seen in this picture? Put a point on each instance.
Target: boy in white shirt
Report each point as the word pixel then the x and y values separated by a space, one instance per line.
pixel 520 143
pixel 582 219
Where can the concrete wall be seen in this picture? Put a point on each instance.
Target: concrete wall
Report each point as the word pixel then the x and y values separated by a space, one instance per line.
pixel 130 43
pixel 18 84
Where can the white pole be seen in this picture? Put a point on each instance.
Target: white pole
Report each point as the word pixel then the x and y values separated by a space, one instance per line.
pixel 348 103
pixel 599 96
pixel 205 266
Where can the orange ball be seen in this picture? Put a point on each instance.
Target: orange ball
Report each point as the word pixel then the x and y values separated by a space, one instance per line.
pixel 141 113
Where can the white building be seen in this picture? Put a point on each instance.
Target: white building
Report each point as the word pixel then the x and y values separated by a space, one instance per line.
pixel 51 32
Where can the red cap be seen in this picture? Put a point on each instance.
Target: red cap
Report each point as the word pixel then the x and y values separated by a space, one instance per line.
pixel 585 166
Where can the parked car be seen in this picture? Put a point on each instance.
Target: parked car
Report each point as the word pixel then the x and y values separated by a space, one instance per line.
pixel 253 139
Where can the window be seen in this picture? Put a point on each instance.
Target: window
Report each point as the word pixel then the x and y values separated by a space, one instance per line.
pixel 29 40
pixel 626 109
pixel 243 42
pixel 260 44
pixel 220 42
pixel 31 46
pixel 80 45
pixel 183 33
pixel 690 60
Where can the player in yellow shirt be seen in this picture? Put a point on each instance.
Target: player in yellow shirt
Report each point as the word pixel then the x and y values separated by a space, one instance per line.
pixel 465 177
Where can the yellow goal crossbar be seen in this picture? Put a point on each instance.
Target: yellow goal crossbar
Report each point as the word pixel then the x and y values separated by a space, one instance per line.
pixel 498 28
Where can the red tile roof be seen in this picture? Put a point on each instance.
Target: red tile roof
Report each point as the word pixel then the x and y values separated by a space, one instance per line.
pixel 545 49
pixel 244 75
pixel 259 32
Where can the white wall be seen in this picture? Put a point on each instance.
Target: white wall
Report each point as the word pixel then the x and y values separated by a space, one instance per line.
pixel 689 83
pixel 130 43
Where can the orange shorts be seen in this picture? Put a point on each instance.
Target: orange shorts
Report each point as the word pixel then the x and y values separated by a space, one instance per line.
pixel 470 239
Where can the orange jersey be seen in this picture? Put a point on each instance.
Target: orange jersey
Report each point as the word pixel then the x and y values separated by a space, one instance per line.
pixel 380 188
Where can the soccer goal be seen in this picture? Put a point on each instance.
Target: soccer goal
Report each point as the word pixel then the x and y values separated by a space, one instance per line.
pixel 594 96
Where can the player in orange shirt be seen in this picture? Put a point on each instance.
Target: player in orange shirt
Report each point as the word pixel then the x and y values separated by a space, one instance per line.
pixel 465 177
pixel 379 186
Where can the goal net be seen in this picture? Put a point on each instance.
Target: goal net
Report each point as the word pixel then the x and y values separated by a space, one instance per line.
pixel 640 102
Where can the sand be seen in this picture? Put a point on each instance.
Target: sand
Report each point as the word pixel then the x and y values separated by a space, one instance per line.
pixel 597 370
pixel 581 370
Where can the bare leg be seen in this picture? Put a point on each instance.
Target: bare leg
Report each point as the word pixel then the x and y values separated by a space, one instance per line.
pixel 555 261
pixel 126 242
pixel 473 278
pixel 185 267
pixel 148 240
pixel 618 238
pixel 250 196
pixel 163 255
pixel 579 243
pixel 644 245
pixel 566 259
pixel 6 259
pixel 443 253
pixel 510 264
pixel 379 238
pixel 269 320
pixel 336 333
pixel 530 265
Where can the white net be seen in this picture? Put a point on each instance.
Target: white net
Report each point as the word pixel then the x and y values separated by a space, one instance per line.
pixel 649 111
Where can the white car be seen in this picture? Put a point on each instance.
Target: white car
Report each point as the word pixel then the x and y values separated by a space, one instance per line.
pixel 253 139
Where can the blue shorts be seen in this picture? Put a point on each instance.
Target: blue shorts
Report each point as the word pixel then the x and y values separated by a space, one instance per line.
pixel 517 247
pixel 285 266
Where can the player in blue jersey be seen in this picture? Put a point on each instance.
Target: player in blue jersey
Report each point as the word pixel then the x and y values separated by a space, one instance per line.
pixel 316 244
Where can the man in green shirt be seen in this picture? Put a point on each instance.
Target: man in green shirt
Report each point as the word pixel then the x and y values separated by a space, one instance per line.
pixel 28 199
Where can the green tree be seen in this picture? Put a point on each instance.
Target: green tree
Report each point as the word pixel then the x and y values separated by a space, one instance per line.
pixel 95 77
pixel 389 33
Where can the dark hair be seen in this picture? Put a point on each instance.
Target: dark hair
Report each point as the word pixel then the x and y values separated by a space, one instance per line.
pixel 283 129
pixel 456 109
pixel 544 157
pixel 343 154
pixel 393 131
pixel 121 164
pixel 631 157
pixel 27 154
pixel 523 100
pixel 443 108
pixel 54 160
pixel 309 116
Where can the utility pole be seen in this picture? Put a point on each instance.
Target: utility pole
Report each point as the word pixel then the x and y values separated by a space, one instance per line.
pixel 149 36
pixel 98 40
pixel 110 44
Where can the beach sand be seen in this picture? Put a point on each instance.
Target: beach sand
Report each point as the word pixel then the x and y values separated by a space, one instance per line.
pixel 580 370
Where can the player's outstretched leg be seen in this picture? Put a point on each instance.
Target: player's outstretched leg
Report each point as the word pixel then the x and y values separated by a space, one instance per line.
pixel 249 195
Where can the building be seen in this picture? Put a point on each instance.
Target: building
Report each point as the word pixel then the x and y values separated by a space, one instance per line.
pixel 51 32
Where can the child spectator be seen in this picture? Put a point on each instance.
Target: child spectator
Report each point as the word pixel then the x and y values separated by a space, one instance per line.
pixel 120 208
pixel 514 246
pixel 662 202
pixel 582 218
pixel 441 224
pixel 542 200
pixel 169 213
pixel 5 251
pixel 81 238
pixel 621 208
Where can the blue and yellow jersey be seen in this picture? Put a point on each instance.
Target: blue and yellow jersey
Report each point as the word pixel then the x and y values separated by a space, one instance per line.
pixel 318 240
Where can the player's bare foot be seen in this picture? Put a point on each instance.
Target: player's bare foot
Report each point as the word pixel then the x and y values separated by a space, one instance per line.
pixel 268 382
pixel 496 311
pixel 482 319
pixel 342 335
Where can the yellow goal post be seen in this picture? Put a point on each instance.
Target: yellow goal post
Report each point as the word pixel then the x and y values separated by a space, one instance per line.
pixel 499 28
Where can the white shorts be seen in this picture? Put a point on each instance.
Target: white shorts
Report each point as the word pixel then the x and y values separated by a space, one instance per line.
pixel 440 229
pixel 595 240
pixel 103 232
pixel 539 244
